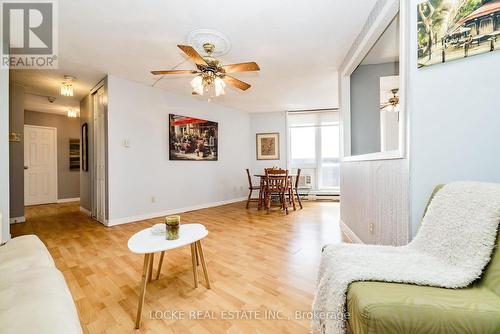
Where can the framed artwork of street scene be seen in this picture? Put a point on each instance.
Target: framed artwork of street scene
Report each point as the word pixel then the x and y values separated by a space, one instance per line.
pixel 192 139
pixel 455 29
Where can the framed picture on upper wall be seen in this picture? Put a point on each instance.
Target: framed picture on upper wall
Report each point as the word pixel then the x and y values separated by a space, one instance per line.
pixel 455 29
pixel 74 155
pixel 193 139
pixel 268 146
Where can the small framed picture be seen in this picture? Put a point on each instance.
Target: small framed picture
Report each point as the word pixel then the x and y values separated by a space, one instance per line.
pixel 268 146
pixel 74 155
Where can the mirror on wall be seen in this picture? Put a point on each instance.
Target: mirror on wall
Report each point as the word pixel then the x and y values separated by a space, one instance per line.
pixel 374 97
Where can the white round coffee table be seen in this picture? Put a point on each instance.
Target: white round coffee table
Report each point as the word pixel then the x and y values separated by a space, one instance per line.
pixel 147 243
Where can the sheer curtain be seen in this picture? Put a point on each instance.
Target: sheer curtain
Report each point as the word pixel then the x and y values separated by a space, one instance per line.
pixel 314 142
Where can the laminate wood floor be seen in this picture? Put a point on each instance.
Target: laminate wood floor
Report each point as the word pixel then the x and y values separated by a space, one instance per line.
pixel 262 267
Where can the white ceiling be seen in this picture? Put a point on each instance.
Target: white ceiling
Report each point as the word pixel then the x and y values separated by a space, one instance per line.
pixel 40 84
pixel 386 49
pixel 298 45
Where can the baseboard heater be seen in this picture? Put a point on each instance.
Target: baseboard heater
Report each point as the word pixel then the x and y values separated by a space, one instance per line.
pixel 320 197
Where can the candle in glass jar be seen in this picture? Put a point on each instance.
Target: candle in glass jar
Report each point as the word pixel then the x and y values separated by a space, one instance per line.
pixel 172 227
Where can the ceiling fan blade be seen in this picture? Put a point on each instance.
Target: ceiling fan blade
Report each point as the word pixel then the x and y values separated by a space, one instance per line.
pixel 235 82
pixel 241 67
pixel 174 72
pixel 191 52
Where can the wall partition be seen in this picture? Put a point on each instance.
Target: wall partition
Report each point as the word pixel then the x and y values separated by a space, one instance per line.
pixel 373 111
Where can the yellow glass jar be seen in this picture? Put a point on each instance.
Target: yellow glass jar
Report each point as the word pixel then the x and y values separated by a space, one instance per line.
pixel 172 224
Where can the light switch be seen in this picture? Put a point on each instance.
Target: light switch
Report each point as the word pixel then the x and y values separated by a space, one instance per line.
pixel 15 136
pixel 126 143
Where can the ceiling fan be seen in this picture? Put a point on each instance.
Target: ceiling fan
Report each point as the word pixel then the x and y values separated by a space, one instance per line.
pixel 211 77
pixel 393 101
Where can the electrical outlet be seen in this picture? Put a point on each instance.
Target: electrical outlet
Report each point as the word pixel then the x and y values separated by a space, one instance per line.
pixel 153 199
pixel 371 227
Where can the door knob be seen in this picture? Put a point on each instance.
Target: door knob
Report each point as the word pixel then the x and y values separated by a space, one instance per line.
pixel 25 167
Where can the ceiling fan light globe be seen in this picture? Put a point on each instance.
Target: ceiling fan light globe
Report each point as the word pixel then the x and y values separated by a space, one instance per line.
pixel 219 86
pixel 219 91
pixel 196 82
pixel 197 85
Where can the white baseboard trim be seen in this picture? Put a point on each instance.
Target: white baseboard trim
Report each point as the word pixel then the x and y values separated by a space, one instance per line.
pixel 125 220
pixel 67 200
pixel 85 211
pixel 17 220
pixel 350 234
pixel 6 239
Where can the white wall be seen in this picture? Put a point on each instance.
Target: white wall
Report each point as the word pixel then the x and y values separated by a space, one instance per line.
pixel 455 121
pixel 139 113
pixel 267 122
pixel 365 106
pixel 453 134
pixel 4 155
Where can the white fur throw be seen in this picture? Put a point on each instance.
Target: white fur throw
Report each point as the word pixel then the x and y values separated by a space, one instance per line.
pixel 451 249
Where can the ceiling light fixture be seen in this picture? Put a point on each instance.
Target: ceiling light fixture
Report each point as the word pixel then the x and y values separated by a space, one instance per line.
pixel 393 103
pixel 67 86
pixel 208 82
pixel 211 76
pixel 72 113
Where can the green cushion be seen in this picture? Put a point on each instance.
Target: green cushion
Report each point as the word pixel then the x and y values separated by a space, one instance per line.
pixel 491 276
pixel 385 308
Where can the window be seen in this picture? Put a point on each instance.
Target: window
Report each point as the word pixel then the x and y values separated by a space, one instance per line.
pixel 329 164
pixel 302 139
pixel 314 148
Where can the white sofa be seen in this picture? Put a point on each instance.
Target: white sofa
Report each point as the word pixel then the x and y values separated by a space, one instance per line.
pixel 34 297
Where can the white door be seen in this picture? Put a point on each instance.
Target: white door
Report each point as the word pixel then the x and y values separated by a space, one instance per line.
pixel 40 165
pixel 389 129
pixel 99 207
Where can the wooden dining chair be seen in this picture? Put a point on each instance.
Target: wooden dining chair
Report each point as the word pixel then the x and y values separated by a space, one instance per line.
pixel 251 188
pixel 296 187
pixel 276 171
pixel 276 183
